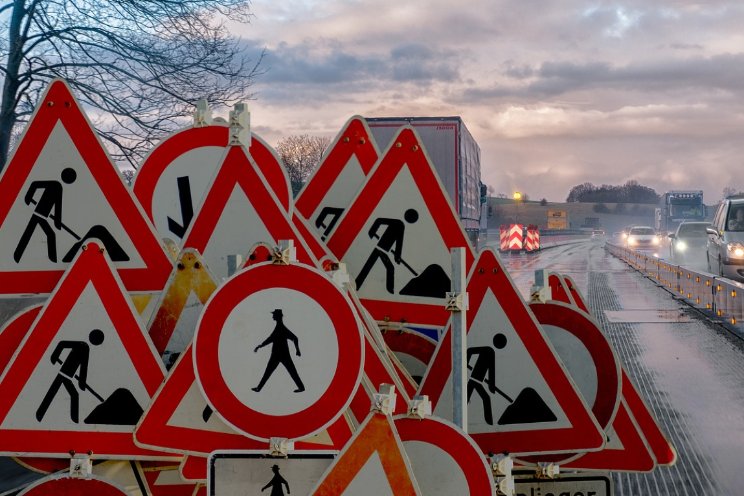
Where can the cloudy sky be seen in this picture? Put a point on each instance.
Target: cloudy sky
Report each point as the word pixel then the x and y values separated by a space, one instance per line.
pixel 556 93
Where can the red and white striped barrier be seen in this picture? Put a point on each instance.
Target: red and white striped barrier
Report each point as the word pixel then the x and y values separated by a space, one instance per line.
pixel 532 241
pixel 503 237
pixel 515 237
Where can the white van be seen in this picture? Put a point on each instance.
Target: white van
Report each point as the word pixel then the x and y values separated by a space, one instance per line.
pixel 726 240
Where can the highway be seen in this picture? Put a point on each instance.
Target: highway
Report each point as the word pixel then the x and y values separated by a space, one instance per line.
pixel 689 370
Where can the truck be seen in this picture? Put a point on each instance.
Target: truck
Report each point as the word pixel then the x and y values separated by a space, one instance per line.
pixel 456 158
pixel 677 206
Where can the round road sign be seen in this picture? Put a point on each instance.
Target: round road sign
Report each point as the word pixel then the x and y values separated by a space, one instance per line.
pixel 278 351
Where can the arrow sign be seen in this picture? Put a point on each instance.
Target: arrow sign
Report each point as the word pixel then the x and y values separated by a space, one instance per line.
pixel 195 154
pixel 187 208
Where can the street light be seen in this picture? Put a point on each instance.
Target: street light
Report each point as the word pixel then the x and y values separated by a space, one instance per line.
pixel 517 197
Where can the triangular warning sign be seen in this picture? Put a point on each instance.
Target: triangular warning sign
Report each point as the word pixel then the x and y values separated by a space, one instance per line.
pixel 575 293
pixel 520 397
pixel 662 449
pixel 238 211
pixel 558 289
pixel 396 237
pixel 173 178
pixel 84 373
pixel 180 420
pixel 372 463
pixel 340 175
pixel 59 190
pixel 626 449
pixel 175 321
pixel 643 419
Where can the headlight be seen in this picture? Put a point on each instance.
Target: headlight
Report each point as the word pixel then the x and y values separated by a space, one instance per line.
pixel 680 246
pixel 655 240
pixel 625 235
pixel 631 241
pixel 735 250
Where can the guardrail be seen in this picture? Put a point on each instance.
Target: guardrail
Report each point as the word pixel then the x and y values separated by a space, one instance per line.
pixel 714 295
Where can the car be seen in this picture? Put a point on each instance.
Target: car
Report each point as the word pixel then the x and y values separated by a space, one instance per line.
pixel 725 247
pixel 598 233
pixel 642 238
pixel 689 244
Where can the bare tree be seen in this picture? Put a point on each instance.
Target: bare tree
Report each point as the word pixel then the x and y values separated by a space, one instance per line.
pixel 138 66
pixel 301 154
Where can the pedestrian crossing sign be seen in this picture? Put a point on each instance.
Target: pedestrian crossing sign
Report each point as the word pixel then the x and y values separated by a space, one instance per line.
pixel 278 351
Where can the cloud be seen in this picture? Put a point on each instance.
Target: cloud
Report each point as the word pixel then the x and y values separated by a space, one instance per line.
pixel 556 93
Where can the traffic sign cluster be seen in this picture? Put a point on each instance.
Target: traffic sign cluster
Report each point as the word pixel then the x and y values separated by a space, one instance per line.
pixel 206 328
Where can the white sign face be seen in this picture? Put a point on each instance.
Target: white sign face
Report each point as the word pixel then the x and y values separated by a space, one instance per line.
pixel 254 473
pixel 258 367
pixel 577 360
pixel 239 228
pixel 86 347
pixel 59 204
pixel 594 485
pixel 506 391
pixel 443 474
pixel 399 251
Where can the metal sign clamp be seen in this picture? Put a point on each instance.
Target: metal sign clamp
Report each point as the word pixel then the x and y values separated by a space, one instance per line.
pixel 540 292
pixel 547 470
pixel 240 125
pixel 420 407
pixel 202 114
pixel 81 466
pixel 285 253
pixel 501 468
pixel 456 302
pixel 279 447
pixel 384 401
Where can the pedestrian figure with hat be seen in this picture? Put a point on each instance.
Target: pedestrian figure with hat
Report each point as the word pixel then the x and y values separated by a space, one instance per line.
pixel 276 483
pixel 279 340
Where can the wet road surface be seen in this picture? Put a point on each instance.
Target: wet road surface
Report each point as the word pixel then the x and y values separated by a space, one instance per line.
pixel 689 370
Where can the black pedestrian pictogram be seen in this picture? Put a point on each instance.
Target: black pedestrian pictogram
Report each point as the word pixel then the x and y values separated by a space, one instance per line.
pixel 327 220
pixel 280 354
pixel 120 408
pixel 276 483
pixel 49 206
pixel 527 408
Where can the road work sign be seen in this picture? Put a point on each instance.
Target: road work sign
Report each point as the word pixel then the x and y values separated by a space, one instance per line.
pixel 396 237
pixel 61 190
pixel 83 374
pixel 520 397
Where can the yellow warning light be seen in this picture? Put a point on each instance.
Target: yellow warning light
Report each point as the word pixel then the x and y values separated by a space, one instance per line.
pixel 733 320
pixel 707 283
pixel 733 293
pixel 689 276
pixel 708 306
pixel 718 288
pixel 697 300
pixel 719 312
pixel 697 279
